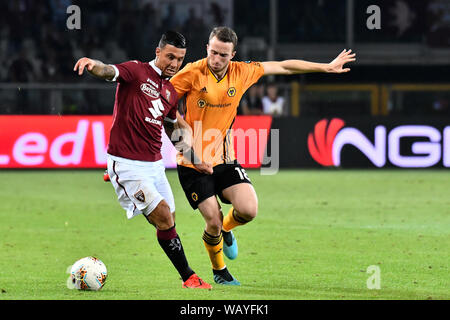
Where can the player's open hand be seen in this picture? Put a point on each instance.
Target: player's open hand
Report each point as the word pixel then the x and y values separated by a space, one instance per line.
pixel 337 65
pixel 204 167
pixel 84 63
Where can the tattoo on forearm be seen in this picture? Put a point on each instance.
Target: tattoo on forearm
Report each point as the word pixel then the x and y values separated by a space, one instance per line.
pixel 103 71
pixel 108 72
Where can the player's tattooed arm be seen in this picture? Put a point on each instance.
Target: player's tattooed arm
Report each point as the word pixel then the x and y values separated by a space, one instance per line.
pixel 95 67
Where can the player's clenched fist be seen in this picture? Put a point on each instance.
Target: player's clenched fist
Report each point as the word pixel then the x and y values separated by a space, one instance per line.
pixel 84 63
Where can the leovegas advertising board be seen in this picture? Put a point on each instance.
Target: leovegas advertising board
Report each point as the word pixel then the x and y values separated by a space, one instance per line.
pixel 52 141
pixel 42 141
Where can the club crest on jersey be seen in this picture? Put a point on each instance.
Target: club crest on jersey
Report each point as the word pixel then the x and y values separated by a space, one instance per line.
pixel 231 92
pixel 201 103
pixel 140 196
pixel 167 95
pixel 149 90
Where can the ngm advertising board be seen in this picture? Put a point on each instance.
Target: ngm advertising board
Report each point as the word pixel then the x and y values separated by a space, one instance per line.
pixel 364 142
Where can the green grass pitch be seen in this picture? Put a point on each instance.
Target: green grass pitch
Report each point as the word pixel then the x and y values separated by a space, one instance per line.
pixel 316 234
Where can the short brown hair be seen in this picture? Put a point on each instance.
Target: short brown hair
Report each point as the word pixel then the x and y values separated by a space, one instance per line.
pixel 224 34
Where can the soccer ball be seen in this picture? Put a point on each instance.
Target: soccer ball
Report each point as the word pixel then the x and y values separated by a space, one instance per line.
pixel 88 273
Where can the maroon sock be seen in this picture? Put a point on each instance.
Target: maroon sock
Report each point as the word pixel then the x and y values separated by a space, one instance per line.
pixel 171 244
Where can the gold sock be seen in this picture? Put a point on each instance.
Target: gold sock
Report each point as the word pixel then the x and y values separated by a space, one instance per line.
pixel 231 220
pixel 214 246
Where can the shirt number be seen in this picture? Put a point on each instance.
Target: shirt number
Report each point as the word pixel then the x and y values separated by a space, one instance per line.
pixel 242 174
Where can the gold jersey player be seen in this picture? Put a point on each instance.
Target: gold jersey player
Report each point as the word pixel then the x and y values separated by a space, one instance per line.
pixel 212 88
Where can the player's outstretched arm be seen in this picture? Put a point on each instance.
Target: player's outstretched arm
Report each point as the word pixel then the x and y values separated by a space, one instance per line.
pixel 288 67
pixel 95 67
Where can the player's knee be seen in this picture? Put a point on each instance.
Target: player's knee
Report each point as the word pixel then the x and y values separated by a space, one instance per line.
pixel 248 213
pixel 252 213
pixel 165 222
pixel 161 217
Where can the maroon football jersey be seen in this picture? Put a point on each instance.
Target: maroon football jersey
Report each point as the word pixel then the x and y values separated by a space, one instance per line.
pixel 143 101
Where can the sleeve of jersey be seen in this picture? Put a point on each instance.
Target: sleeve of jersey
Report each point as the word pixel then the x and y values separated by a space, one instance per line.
pixel 252 71
pixel 182 81
pixel 126 71
pixel 172 115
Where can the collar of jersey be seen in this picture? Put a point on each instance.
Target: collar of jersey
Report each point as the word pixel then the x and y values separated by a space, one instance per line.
pixel 224 76
pixel 158 70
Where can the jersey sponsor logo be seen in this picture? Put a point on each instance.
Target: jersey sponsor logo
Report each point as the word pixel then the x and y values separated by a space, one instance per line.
pixel 156 109
pixel 231 92
pixel 140 196
pixel 152 82
pixel 202 103
pixel 150 120
pixel 149 90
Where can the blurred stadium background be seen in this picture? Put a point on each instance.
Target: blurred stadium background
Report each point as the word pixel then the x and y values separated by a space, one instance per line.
pixel 392 110
pixel 401 75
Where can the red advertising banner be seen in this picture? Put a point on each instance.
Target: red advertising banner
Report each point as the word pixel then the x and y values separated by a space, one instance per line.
pixel 52 141
pixel 49 141
pixel 250 139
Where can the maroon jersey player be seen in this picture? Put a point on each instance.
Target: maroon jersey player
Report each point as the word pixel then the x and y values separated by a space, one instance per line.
pixel 145 102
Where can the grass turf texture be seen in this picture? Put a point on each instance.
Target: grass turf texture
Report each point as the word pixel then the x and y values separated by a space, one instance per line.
pixel 316 234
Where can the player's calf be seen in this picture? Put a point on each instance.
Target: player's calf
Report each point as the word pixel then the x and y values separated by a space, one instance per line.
pixel 170 242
